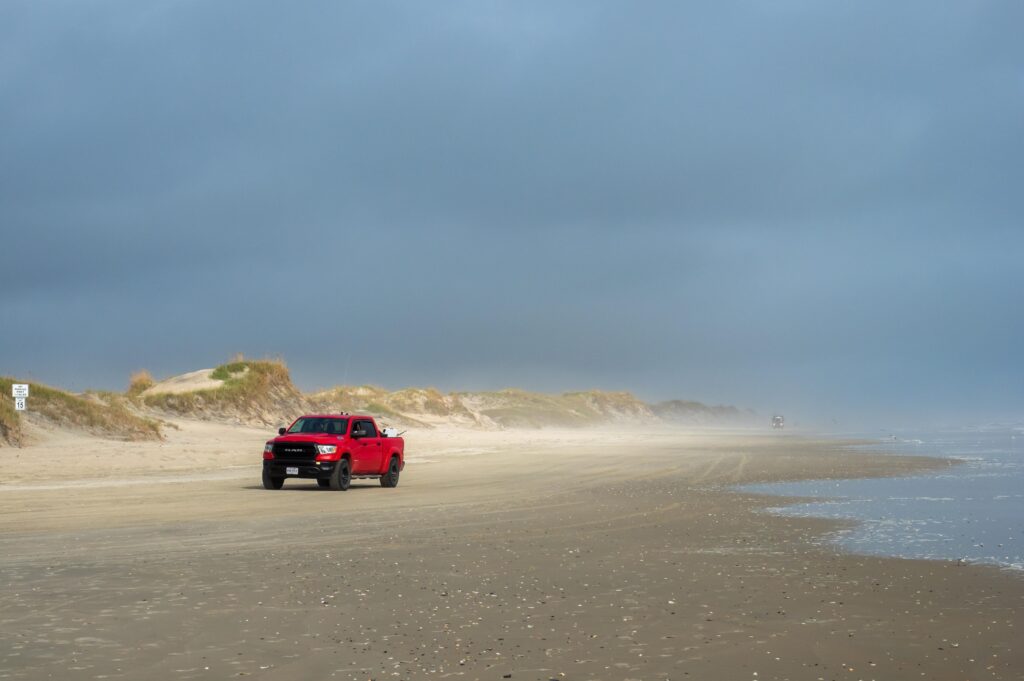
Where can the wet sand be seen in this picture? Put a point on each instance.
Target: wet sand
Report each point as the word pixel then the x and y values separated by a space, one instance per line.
pixel 534 555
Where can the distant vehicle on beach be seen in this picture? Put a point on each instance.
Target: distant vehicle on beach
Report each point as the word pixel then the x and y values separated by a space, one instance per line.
pixel 333 449
pixel 778 422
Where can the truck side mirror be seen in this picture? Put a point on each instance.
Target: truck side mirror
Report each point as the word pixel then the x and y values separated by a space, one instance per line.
pixel 281 431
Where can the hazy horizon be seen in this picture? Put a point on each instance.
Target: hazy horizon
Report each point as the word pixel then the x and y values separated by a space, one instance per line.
pixel 800 207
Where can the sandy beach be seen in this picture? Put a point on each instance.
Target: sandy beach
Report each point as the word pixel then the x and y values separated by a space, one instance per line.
pixel 550 554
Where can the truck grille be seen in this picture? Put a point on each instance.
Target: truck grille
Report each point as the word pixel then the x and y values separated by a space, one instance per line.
pixel 294 451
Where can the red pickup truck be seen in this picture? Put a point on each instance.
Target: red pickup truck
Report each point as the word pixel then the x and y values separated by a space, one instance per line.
pixel 333 449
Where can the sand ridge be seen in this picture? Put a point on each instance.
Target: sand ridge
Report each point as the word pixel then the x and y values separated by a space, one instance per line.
pixel 185 383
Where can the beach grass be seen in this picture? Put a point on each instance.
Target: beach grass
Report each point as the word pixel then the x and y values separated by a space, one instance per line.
pixel 10 421
pixel 103 413
pixel 140 381
pixel 243 382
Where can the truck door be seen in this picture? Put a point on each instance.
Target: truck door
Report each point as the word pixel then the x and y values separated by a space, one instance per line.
pixel 366 459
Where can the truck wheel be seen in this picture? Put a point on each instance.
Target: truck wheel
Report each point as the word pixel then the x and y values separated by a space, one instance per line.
pixel 341 478
pixel 272 482
pixel 323 483
pixel 390 479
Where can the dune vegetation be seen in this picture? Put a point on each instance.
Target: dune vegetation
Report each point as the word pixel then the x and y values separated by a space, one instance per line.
pixel 139 382
pixel 10 422
pixel 248 391
pixel 105 414
pixel 514 408
pixel 261 392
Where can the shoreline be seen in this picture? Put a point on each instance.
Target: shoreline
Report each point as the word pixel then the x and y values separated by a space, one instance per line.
pixel 551 553
pixel 970 516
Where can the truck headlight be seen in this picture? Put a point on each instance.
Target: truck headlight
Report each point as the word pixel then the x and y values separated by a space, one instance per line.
pixel 268 448
pixel 326 449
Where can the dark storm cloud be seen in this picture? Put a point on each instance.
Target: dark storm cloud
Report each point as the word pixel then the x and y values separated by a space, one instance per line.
pixel 804 206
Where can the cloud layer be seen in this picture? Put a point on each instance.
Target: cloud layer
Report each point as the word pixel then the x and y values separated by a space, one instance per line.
pixel 811 207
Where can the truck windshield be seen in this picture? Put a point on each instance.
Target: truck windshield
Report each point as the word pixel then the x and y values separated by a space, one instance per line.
pixel 319 425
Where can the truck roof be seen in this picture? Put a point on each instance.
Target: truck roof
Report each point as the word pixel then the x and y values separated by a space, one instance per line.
pixel 335 416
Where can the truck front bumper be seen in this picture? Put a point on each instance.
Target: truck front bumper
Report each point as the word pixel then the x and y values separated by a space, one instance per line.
pixel 299 469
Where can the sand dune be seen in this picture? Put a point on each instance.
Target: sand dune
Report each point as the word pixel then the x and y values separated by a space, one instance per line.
pixel 185 383
pixel 261 393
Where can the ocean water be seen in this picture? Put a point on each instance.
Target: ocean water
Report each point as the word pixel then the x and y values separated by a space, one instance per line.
pixel 972 512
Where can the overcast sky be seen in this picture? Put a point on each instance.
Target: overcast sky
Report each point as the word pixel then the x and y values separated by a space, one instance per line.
pixel 812 207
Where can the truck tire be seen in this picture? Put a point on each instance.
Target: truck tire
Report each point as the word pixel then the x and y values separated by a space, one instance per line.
pixel 272 482
pixel 341 478
pixel 390 479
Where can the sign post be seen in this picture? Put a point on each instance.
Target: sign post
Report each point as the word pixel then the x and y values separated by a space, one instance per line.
pixel 20 393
